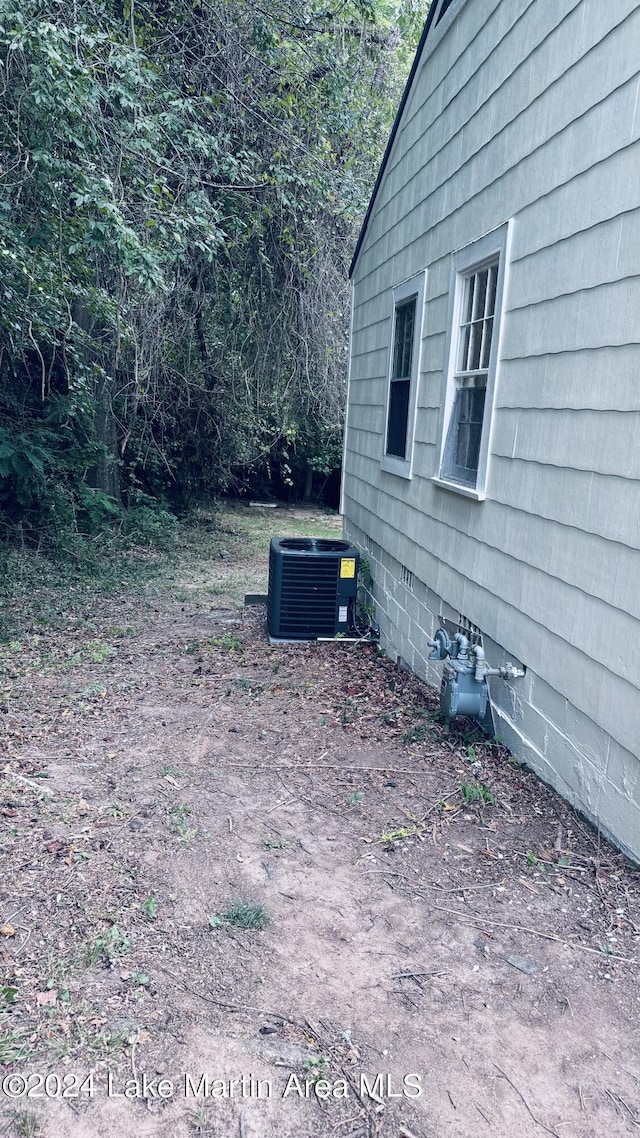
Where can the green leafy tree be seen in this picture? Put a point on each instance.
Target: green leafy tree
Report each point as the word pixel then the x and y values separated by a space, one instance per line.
pixel 180 189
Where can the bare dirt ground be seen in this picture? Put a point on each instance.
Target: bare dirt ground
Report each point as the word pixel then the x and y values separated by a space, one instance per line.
pixel 431 912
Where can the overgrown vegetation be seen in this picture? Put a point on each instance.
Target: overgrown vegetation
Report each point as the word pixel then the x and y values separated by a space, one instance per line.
pixel 180 189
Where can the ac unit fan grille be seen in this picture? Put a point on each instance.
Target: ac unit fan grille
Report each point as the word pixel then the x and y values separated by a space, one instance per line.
pixel 308 602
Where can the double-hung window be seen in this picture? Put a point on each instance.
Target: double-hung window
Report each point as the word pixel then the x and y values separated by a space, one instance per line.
pixel 477 290
pixel 408 302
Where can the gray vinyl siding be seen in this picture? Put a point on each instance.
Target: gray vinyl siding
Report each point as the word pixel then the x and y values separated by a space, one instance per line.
pixel 526 111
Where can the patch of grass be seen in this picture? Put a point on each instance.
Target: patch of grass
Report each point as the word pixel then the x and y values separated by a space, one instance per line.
pixel 13 1042
pixel 242 915
pixel 228 641
pixel 108 947
pixel 419 733
pixel 93 691
pixel 27 1125
pixel 179 815
pixel 389 718
pixel 476 792
pixel 96 651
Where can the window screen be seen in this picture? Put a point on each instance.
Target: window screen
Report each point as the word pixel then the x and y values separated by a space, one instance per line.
pixel 400 382
pixel 462 448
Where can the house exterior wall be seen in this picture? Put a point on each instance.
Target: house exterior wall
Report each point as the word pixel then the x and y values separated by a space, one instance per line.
pixel 529 113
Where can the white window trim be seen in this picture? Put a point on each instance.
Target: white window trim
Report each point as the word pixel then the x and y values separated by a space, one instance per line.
pixel 464 262
pixel 415 286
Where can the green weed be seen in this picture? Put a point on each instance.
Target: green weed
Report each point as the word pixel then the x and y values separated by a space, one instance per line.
pixel 13 1042
pixel 108 947
pixel 418 733
pixel 355 797
pixel 476 792
pixel 242 916
pixel 400 834
pixel 150 908
pixel 229 641
pixel 27 1125
pixel 179 815
pixel 316 1067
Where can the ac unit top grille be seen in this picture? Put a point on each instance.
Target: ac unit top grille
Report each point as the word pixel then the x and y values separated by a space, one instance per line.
pixel 313 545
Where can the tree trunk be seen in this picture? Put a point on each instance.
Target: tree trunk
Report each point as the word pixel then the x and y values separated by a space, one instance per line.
pixel 308 486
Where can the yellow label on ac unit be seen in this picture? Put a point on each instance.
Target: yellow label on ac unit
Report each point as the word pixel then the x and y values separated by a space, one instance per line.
pixel 347 566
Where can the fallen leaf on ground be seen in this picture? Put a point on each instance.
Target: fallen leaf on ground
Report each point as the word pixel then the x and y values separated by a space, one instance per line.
pixel 47 999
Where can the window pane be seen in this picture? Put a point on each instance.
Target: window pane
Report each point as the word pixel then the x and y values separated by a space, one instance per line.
pixel 470 405
pixel 480 294
pixel 403 343
pixel 476 344
pixel 468 308
pixel 491 291
pixel 486 342
pixel 464 348
pixel 462 449
pixel 398 417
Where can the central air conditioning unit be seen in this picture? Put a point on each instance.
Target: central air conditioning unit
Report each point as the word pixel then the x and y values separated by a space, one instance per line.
pixel 313 583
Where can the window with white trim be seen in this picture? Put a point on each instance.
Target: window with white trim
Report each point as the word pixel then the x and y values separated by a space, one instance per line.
pixel 477 290
pixel 408 301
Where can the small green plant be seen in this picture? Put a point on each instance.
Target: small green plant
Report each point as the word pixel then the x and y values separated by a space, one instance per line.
pixel 345 714
pixel 108 947
pixel 13 1042
pixel 8 993
pixel 275 844
pixel 93 691
pixel 168 769
pixel 241 915
pixel 179 815
pixel 389 718
pixel 199 1119
pixel 400 834
pixel 476 792
pixel 229 641
pixel 150 907
pixel 355 797
pixel 418 733
pixel 471 754
pixel 531 858
pixel 606 949
pixel 117 810
pixel 316 1067
pixel 96 651
pixel 27 1125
